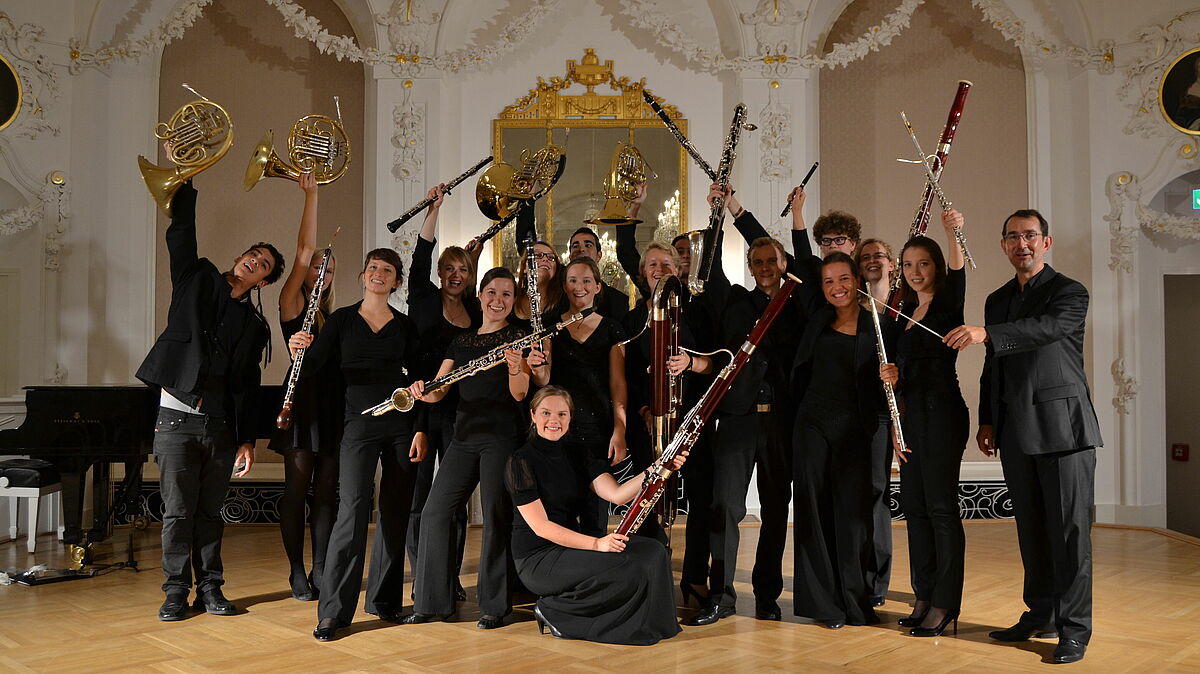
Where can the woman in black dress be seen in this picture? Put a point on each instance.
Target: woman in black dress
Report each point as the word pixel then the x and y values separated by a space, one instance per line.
pixel 549 283
pixel 936 426
pixel 838 371
pixel 587 591
pixel 375 346
pixel 441 314
pixel 486 431
pixel 588 360
pixel 310 447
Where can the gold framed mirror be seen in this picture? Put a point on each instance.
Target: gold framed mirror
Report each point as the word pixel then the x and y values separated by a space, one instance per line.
pixel 589 126
pixel 10 93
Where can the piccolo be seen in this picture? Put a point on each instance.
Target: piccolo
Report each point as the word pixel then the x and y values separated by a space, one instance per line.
pixel 933 180
pixel 788 208
pixel 410 213
pixel 683 140
pixel 402 400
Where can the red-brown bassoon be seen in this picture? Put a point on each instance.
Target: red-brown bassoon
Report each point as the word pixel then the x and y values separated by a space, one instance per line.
pixel 666 391
pixel 921 218
pixel 689 430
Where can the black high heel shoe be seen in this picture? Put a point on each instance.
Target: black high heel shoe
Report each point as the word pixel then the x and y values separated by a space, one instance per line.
pixel 304 590
pixel 543 624
pixel 688 590
pixel 326 630
pixel 913 620
pixel 936 631
pixel 415 618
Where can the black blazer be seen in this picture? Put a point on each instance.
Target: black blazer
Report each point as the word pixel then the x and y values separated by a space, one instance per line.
pixel 868 389
pixel 182 351
pixel 1040 356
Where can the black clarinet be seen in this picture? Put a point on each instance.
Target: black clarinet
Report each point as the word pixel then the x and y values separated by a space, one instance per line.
pixel 683 140
pixel 410 213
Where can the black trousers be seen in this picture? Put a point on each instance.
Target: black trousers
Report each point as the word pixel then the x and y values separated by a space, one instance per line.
pixel 1052 497
pixel 742 442
pixel 832 523
pixel 697 476
pixel 879 568
pixel 367 443
pixel 467 464
pixel 441 431
pixel 936 425
pixel 195 455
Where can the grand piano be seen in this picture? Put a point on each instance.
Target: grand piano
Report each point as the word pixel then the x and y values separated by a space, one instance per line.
pixel 82 427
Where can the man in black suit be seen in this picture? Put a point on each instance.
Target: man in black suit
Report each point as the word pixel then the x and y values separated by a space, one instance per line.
pixel 206 364
pixel 1034 402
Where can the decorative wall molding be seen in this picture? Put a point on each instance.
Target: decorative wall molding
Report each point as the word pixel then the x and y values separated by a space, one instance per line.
pixel 997 14
pixel 1160 45
pixel 56 195
pixel 409 30
pixel 1123 241
pixel 38 79
pixel 772 62
pixel 20 219
pixel 1124 387
pixel 775 139
pixel 408 141
pixel 775 25
pixel 151 43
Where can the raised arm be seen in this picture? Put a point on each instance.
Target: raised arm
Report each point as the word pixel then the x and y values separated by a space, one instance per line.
pixel 951 220
pixel 627 253
pixel 291 296
pixel 617 450
pixel 181 233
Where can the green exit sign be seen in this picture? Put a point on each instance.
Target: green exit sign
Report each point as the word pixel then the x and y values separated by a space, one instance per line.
pixel 1196 199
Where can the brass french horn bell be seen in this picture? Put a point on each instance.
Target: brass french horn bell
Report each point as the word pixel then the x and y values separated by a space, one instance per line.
pixel 502 187
pixel 628 170
pixel 316 144
pixel 198 135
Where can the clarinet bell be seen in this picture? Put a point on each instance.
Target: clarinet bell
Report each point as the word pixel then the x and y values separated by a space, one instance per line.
pixel 284 420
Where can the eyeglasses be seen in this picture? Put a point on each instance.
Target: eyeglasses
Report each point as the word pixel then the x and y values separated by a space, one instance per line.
pixel 832 240
pixel 543 256
pixel 1030 236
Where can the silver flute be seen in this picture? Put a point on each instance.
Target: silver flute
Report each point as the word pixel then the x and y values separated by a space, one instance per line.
pixel 934 182
pixel 889 392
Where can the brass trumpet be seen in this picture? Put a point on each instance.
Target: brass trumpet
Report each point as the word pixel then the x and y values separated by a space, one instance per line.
pixel 629 169
pixel 317 144
pixel 502 187
pixel 197 136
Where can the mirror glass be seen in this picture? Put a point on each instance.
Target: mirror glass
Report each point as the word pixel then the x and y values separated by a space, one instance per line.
pixel 10 93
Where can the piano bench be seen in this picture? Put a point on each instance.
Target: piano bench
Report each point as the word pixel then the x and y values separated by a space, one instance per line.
pixel 29 479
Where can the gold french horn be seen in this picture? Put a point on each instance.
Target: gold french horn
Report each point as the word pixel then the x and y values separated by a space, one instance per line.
pixel 197 135
pixel 502 186
pixel 317 144
pixel 629 169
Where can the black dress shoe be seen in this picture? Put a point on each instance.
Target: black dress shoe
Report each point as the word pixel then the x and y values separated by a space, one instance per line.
pixel 767 610
pixel 302 589
pixel 712 614
pixel 1021 632
pixel 214 602
pixel 489 622
pixel 415 618
pixel 326 630
pixel 877 600
pixel 1068 650
pixel 388 615
pixel 834 624
pixel 174 608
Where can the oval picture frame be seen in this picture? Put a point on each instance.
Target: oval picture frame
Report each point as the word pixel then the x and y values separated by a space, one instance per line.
pixel 11 93
pixel 1179 93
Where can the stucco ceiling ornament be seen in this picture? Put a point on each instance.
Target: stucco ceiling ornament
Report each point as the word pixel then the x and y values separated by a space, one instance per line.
pixel 409 30
pixel 172 28
pixel 774 58
pixel 1000 17
pixel 513 34
pixel 39 83
pixel 1160 45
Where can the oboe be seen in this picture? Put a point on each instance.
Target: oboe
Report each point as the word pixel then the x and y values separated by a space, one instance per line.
pixel 934 180
pixel 788 208
pixel 284 420
pixel 689 429
pixel 408 215
pixel 888 391
pixel 403 401
pixel 683 140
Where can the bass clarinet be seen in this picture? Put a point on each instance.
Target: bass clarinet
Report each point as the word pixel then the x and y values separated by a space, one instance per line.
pixel 403 401
pixel 284 420
pixel 689 430
pixel 708 252
pixel 408 215
pixel 921 218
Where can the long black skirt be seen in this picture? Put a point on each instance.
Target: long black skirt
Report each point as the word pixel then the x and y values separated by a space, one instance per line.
pixel 610 597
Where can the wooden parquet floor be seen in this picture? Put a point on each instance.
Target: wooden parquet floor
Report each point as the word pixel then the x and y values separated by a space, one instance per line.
pixel 1147 606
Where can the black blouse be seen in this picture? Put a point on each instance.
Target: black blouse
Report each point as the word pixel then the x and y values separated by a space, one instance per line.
pixel 373 364
pixel 925 362
pixel 486 409
pixel 544 469
pixel 583 369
